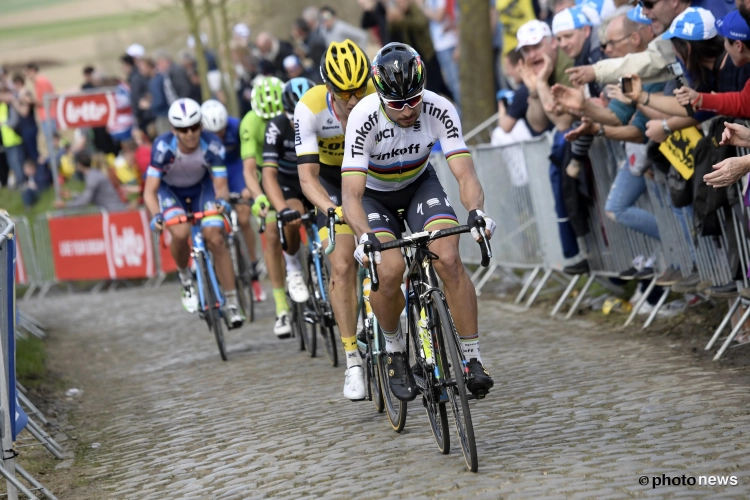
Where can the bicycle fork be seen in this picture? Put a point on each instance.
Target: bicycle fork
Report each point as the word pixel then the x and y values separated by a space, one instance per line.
pixel 199 247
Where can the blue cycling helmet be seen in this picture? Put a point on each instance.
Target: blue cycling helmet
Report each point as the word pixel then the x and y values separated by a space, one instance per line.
pixel 294 89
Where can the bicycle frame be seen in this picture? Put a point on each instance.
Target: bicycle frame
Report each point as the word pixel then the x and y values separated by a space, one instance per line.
pixel 361 275
pixel 199 247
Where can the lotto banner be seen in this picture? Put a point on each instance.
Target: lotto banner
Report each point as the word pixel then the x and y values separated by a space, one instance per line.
pixel 102 246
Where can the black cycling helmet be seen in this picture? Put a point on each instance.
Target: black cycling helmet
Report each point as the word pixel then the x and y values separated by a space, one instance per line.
pixel 398 72
pixel 294 89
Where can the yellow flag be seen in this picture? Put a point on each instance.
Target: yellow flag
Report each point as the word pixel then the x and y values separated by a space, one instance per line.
pixel 679 149
pixel 513 14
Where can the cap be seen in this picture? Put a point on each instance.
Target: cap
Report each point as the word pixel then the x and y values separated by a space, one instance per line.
pixel 242 30
pixel 291 62
pixel 597 10
pixel 694 23
pixel 572 18
pixel 733 26
pixel 532 33
pixel 136 50
pixel 637 15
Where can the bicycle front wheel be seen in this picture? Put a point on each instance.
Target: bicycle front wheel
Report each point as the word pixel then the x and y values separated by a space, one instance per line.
pixel 395 408
pixel 243 280
pixel 371 369
pixel 455 372
pixel 211 307
pixel 323 310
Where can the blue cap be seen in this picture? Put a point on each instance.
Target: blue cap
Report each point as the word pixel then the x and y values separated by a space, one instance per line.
pixel 597 10
pixel 572 18
pixel 733 26
pixel 637 15
pixel 694 23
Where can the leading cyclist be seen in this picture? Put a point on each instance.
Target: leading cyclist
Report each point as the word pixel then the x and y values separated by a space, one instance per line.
pixel 386 169
pixel 188 171
pixel 319 123
pixel 216 119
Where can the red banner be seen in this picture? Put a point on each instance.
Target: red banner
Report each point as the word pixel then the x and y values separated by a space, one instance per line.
pixel 21 277
pixel 86 110
pixel 102 246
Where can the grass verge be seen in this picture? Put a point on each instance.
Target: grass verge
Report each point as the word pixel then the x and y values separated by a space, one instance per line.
pixel 31 355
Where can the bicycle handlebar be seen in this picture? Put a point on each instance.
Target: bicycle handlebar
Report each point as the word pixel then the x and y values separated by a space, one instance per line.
pixel 237 199
pixel 331 223
pixel 280 226
pixel 192 217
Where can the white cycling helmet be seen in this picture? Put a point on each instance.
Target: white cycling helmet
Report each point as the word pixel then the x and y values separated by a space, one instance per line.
pixel 184 112
pixel 214 116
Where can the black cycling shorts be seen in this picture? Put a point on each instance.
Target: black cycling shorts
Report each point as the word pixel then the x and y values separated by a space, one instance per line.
pixel 424 202
pixel 291 188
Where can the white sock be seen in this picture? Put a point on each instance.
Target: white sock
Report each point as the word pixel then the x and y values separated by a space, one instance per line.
pixel 292 263
pixel 186 277
pixel 231 298
pixel 353 359
pixel 470 347
pixel 394 341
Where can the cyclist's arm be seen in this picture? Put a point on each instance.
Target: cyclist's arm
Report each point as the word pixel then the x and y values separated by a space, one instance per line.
pixel 150 190
pixel 311 186
pixel 250 173
pixel 352 190
pixel 308 160
pixel 217 159
pixel 249 153
pixel 271 187
pixel 273 149
pixel 471 192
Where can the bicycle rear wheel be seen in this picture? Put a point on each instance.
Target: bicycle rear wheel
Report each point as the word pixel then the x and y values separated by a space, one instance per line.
pixel 371 369
pixel 243 280
pixel 431 392
pixel 395 408
pixel 455 372
pixel 323 309
pixel 212 311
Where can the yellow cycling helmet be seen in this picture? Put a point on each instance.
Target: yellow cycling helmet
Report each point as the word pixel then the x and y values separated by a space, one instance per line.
pixel 345 66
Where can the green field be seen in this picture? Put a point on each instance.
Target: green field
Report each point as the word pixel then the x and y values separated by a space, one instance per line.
pixel 9 6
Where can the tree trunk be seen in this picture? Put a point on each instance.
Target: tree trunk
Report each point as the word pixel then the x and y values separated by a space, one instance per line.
pixel 226 56
pixel 475 64
pixel 200 55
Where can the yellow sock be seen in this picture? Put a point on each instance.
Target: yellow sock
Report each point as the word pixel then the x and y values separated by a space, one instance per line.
pixel 352 351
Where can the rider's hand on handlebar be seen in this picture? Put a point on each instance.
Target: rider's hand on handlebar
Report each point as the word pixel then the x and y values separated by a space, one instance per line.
pixel 359 252
pixel 290 217
pixel 260 206
pixel 489 224
pixel 339 211
pixel 157 223
pixel 224 205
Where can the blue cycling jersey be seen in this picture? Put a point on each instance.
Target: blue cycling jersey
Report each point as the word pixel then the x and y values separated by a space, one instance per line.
pixel 232 143
pixel 179 169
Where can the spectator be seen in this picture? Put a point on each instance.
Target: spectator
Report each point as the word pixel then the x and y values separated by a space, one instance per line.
pixel 442 16
pixel 136 51
pixel 122 127
pixel 374 19
pixel 176 81
pixel 188 62
pixel 142 155
pixel 512 70
pixel 155 101
pixel 12 141
pixel 42 86
pixel 293 68
pixel 23 103
pixel 241 34
pixel 38 179
pixel 127 173
pixel 510 130
pixel 311 16
pixel 88 78
pixel 271 51
pixel 311 44
pixel 4 168
pixel 577 38
pixel 208 53
pixel 334 29
pixel 99 190
pixel 138 89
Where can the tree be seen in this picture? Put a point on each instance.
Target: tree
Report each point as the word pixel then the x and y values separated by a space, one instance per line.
pixel 475 65
pixel 226 31
pixel 200 51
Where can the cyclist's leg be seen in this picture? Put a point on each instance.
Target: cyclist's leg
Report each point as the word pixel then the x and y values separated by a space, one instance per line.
pixel 275 267
pixel 173 205
pixel 236 182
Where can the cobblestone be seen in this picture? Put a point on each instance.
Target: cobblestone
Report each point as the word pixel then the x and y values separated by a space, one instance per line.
pixel 576 412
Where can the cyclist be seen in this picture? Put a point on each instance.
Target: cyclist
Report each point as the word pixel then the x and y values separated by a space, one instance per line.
pixel 266 101
pixel 386 168
pixel 215 119
pixel 319 124
pixel 281 183
pixel 187 171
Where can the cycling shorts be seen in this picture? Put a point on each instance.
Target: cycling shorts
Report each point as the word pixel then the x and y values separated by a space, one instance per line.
pixel 175 201
pixel 424 202
pixel 236 177
pixel 334 193
pixel 291 188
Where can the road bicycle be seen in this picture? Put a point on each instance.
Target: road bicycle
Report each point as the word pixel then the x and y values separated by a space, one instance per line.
pixel 441 371
pixel 243 271
pixel 317 313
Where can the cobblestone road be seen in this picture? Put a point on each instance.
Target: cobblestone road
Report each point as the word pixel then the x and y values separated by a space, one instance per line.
pixel 575 413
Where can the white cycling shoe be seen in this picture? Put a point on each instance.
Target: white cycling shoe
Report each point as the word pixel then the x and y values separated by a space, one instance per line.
pixel 282 328
pixel 234 316
pixel 189 298
pixel 297 287
pixel 354 385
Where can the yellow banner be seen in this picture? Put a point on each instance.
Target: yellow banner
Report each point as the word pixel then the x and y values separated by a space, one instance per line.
pixel 679 149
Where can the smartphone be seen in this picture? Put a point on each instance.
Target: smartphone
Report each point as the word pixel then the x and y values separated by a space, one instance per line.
pixel 675 68
pixel 626 84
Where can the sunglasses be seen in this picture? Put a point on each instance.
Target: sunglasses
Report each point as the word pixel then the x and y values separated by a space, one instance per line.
pixel 648 4
pixel 398 104
pixel 192 128
pixel 345 95
pixel 606 44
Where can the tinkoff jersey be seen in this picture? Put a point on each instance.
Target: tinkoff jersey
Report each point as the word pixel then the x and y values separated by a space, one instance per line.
pixel 393 157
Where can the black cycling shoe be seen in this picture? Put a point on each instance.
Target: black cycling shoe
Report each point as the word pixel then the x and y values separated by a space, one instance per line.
pixel 400 379
pixel 481 384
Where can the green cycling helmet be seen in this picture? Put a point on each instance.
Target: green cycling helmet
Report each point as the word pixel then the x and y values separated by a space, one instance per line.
pixel 266 97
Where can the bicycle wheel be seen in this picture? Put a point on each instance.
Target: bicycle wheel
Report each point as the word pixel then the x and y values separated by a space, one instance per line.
pixel 395 408
pixel 445 331
pixel 243 280
pixel 326 321
pixel 371 370
pixel 212 307
pixel 431 391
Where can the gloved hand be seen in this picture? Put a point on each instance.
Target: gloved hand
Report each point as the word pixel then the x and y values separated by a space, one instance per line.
pixel 489 224
pixel 288 215
pixel 339 214
pixel 261 203
pixel 224 205
pixel 359 252
pixel 157 223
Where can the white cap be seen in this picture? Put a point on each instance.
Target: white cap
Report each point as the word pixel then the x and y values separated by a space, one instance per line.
pixel 532 33
pixel 191 40
pixel 241 30
pixel 136 50
pixel 291 61
pixel 569 19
